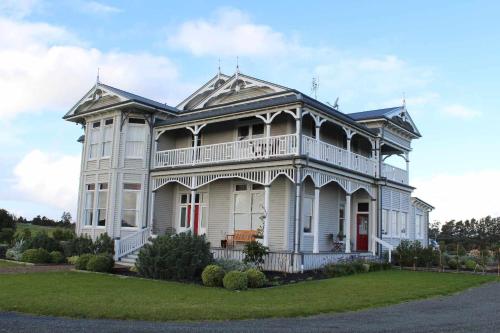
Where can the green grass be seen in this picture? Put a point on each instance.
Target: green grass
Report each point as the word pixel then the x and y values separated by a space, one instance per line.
pixel 90 295
pixel 34 228
pixel 8 264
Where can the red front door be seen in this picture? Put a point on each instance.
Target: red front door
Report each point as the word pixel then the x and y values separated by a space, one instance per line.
pixel 362 232
pixel 196 217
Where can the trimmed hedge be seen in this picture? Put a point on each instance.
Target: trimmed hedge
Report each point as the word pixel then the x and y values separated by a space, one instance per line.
pixel 72 260
pixel 212 276
pixel 56 257
pixel 349 268
pixel 36 256
pixel 256 279
pixel 100 263
pixel 82 261
pixel 235 280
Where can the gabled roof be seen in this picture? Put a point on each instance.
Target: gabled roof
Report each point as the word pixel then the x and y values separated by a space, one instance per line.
pixel 203 91
pixel 238 86
pixel 102 95
pixel 397 115
pixel 422 203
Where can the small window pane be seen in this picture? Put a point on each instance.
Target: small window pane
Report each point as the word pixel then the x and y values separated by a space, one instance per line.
pixel 102 199
pixel 241 187
pixel 130 186
pixel 96 124
pixel 136 121
pixel 184 198
pixel 108 122
pixel 197 198
pixel 128 219
pixel 243 132
pixel 363 207
pixel 242 222
pixel 256 187
pixel 103 186
pixel 308 224
pixel 90 187
pixel 183 217
pixel 101 217
pixel 258 129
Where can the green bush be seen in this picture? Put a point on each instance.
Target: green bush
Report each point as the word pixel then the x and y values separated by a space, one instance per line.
pixel 16 252
pixel 453 264
pixel 256 279
pixel 72 260
pixel 233 265
pixel 56 257
pixel 63 234
pixel 100 263
pixel 7 226
pixel 77 246
pixel 254 253
pixel 212 276
pixel 36 256
pixel 470 264
pixel 6 235
pixel 3 250
pixel 174 257
pixel 23 234
pixel 235 280
pixel 82 261
pixel 41 240
pixel 337 270
pixel 103 244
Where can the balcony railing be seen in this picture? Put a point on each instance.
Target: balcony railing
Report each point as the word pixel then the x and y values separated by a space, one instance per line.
pixel 338 156
pixel 394 173
pixel 252 149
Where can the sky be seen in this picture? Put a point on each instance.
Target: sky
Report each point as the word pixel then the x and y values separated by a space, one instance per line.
pixel 443 57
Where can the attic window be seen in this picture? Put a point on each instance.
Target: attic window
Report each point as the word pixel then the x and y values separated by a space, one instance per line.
pixel 108 122
pixel 136 121
pixel 96 124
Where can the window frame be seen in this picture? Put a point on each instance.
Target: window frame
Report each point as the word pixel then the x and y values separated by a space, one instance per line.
pixel 142 142
pixel 138 207
pixel 201 199
pixel 249 190
pixel 95 133
pixel 341 219
pixel 311 217
pixel 86 208
pixel 99 192
pixel 104 129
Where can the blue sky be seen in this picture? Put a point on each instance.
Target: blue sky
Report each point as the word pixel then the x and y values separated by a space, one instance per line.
pixel 442 56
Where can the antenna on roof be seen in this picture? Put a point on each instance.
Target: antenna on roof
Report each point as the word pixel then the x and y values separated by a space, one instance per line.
pixel 336 104
pixel 315 86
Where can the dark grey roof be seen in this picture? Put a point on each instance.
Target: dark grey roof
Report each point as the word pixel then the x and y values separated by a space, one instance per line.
pixel 373 114
pixel 140 99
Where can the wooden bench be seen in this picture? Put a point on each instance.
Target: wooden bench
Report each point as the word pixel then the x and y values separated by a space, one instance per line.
pixel 241 236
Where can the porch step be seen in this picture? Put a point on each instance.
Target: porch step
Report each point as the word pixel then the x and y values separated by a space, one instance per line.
pixel 129 260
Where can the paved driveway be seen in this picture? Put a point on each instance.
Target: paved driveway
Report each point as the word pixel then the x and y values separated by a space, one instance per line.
pixel 475 310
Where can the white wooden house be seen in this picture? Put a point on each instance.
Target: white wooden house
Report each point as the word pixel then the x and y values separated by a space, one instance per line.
pixel 241 153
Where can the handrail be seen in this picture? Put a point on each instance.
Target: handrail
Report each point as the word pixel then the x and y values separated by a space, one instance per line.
pixel 130 243
pixel 394 173
pixel 386 244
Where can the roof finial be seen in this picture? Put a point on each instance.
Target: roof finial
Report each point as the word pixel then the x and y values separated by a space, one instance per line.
pixel 404 100
pixel 237 66
pixel 97 79
pixel 218 71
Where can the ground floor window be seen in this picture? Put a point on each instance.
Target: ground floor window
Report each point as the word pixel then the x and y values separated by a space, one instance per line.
pixel 418 226
pixel 385 221
pixel 201 211
pixel 89 204
pixel 307 214
pixel 403 224
pixel 341 220
pixel 394 224
pixel 131 204
pixel 102 202
pixel 248 206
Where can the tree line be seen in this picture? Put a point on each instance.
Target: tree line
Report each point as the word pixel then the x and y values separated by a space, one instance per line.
pixel 8 220
pixel 483 233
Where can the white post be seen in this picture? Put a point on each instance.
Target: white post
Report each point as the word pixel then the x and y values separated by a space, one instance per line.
pixel 374 226
pixel 268 134
pixel 267 192
pixel 347 226
pixel 195 145
pixel 317 140
pixel 298 211
pixel 191 213
pixel 316 220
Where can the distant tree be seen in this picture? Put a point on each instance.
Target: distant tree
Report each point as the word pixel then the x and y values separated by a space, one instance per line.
pixel 434 230
pixel 7 226
pixel 66 217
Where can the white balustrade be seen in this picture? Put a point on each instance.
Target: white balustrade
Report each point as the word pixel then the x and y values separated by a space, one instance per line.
pixel 394 173
pixel 229 151
pixel 130 243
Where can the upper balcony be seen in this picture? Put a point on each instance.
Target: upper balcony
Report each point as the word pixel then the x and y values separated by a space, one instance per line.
pixel 250 140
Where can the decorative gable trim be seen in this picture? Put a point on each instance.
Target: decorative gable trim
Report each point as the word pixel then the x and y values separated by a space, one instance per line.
pixel 212 84
pixel 93 97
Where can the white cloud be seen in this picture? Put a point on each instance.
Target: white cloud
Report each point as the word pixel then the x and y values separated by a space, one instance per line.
pixel 17 8
pixel 460 111
pixel 229 33
pixel 44 67
pixel 99 8
pixel 49 179
pixel 461 196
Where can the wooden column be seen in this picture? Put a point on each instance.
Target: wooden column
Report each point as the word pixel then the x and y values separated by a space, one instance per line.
pixel 316 220
pixel 191 212
pixel 347 226
pixel 298 211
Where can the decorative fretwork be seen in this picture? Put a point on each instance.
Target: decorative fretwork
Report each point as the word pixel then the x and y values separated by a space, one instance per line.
pixel 321 178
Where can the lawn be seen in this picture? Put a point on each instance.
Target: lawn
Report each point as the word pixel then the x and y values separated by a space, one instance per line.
pixel 8 264
pixel 90 295
pixel 34 228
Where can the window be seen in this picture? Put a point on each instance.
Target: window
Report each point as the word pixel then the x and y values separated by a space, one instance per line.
pixel 131 204
pixel 251 132
pixel 402 224
pixel 89 205
pixel 394 224
pixel 363 207
pixel 307 214
pixel 200 200
pixel 107 138
pixel 95 133
pixel 248 207
pixel 136 121
pixel 341 219
pixel 102 201
pixel 418 226
pixel 385 222
pixel 136 138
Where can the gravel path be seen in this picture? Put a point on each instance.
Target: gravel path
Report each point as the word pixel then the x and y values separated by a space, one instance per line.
pixel 475 310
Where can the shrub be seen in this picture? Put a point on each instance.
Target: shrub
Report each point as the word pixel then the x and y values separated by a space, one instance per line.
pixel 233 265
pixel 470 264
pixel 337 270
pixel 61 234
pixel 23 234
pixel 36 256
pixel 174 257
pixel 77 246
pixel 103 244
pixel 41 240
pixel 100 263
pixel 235 280
pixel 453 264
pixel 72 260
pixel 254 253
pixel 82 261
pixel 16 252
pixel 3 250
pixel 56 257
pixel 7 226
pixel 212 276
pixel 6 235
pixel 256 279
